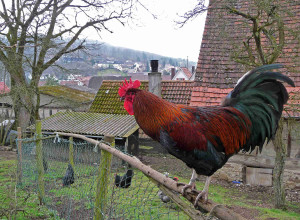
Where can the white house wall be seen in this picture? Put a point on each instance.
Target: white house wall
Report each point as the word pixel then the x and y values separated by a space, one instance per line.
pixel 179 76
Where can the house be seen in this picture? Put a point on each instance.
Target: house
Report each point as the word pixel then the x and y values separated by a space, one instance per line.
pixel 84 80
pixel 91 124
pixel 62 98
pixel 70 82
pixel 217 73
pixel 182 73
pixel 53 99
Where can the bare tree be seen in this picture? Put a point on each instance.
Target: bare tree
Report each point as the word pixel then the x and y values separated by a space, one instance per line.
pixel 36 33
pixel 263 43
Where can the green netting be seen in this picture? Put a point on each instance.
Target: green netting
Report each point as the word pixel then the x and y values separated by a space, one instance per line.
pixel 77 201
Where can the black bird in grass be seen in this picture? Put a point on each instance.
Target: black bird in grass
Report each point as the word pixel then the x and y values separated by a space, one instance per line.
pixel 125 180
pixel 69 176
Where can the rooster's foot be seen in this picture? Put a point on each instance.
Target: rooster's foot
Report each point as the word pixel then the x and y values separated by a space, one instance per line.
pixel 203 195
pixel 191 186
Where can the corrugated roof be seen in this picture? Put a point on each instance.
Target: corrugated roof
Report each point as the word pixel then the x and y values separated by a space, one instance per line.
pixel 95 124
pixel 107 99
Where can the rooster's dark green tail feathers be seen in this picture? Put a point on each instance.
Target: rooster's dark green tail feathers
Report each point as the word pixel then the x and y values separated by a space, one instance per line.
pixel 260 95
pixel 259 74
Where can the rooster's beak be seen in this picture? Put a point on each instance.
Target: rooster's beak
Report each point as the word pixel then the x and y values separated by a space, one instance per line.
pixel 122 98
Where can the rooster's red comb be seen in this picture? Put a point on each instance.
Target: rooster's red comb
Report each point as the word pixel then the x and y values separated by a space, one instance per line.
pixel 128 85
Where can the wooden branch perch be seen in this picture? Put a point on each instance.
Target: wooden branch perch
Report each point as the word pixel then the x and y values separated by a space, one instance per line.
pixel 215 209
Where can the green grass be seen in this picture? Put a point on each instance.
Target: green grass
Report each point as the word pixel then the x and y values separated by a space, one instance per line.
pixel 229 197
pixel 139 201
pixel 16 203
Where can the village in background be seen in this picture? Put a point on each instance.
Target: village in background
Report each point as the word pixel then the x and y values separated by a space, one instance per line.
pixel 103 61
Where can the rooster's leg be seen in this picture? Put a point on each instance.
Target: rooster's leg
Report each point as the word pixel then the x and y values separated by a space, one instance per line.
pixel 192 183
pixel 204 193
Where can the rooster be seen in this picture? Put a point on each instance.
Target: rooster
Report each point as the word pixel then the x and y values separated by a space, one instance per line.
pixel 206 137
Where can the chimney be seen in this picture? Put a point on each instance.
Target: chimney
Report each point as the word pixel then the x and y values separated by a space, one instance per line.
pixel 193 69
pixel 154 79
pixel 172 73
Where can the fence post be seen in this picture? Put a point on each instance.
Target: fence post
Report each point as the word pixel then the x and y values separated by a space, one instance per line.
pixel 71 152
pixel 19 164
pixel 103 180
pixel 39 160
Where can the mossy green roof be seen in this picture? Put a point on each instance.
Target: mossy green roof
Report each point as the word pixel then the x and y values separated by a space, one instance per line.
pixel 64 92
pixel 108 101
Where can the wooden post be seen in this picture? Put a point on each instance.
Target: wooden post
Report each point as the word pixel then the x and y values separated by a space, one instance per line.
pixel 19 164
pixel 71 152
pixel 103 180
pixel 39 162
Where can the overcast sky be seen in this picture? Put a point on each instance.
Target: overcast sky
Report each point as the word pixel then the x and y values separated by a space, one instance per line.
pixel 160 36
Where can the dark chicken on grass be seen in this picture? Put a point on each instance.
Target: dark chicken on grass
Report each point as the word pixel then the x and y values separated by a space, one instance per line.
pixel 205 137
pixel 125 180
pixel 69 176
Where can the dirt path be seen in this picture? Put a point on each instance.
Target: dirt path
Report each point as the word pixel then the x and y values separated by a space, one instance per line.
pixel 7 155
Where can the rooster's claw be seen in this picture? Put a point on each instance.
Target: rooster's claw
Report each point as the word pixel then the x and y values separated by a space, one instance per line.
pixel 203 195
pixel 186 186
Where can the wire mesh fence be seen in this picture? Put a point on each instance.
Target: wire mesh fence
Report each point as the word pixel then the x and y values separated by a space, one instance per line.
pixel 75 173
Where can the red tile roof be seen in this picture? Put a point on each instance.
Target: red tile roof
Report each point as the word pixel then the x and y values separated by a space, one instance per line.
pixel 224 33
pixel 209 96
pixel 4 88
pixel 217 73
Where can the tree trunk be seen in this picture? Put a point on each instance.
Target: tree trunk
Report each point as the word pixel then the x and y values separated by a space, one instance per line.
pixel 23 98
pixel 280 149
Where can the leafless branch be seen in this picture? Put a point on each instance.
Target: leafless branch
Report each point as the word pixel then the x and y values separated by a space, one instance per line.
pixel 199 9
